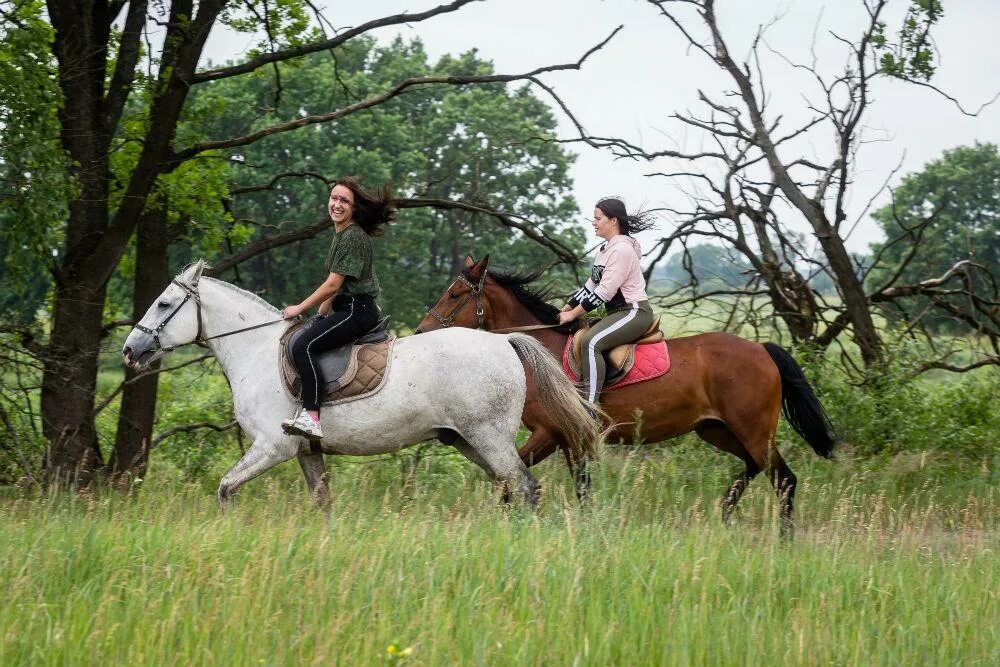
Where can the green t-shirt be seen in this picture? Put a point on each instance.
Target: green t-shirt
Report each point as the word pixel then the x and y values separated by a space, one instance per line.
pixel 351 256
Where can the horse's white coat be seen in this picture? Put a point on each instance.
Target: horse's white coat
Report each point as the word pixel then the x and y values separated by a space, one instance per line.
pixel 465 380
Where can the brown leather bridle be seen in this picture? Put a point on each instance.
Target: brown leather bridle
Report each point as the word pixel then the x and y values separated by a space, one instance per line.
pixel 475 292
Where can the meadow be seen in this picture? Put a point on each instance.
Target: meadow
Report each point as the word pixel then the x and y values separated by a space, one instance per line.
pixel 894 562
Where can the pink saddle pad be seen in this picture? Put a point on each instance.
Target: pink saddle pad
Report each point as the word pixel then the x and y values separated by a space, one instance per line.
pixel 651 361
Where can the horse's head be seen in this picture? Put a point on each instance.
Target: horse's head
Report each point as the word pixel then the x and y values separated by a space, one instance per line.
pixel 464 303
pixel 174 319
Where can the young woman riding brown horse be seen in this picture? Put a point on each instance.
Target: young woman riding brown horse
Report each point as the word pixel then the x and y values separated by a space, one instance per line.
pixel 616 283
pixel 728 390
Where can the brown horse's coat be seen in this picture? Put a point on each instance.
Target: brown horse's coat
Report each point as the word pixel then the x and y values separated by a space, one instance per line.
pixel 727 389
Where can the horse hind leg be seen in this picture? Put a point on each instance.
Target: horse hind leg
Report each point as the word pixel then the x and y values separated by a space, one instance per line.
pixel 500 461
pixel 314 469
pixel 721 437
pixel 579 468
pixel 736 489
pixel 784 482
pixel 766 457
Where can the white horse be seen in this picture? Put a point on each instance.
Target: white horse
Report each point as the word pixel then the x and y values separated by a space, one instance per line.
pixel 464 386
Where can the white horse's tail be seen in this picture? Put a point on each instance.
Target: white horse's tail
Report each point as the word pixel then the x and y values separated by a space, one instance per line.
pixel 572 413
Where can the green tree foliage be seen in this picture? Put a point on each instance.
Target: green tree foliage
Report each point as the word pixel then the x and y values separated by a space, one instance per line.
pixel 484 145
pixel 134 171
pixel 960 194
pixel 911 55
pixel 35 188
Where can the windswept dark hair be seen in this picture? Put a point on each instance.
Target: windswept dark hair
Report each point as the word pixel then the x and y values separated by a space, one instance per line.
pixel 373 211
pixel 640 221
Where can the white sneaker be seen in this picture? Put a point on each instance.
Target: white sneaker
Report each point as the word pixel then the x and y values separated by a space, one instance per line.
pixel 304 425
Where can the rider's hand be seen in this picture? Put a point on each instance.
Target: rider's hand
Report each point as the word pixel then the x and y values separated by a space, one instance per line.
pixel 566 317
pixel 291 312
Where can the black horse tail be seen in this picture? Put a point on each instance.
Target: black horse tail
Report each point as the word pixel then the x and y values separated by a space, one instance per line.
pixel 799 404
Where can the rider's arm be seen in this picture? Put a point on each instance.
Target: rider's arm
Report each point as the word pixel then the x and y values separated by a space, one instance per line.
pixel 578 304
pixel 579 297
pixel 322 293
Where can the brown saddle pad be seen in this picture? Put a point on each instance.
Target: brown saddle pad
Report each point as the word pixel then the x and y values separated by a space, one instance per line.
pixel 618 360
pixel 349 372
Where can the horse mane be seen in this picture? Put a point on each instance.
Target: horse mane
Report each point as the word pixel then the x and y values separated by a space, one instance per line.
pixel 243 292
pixel 535 300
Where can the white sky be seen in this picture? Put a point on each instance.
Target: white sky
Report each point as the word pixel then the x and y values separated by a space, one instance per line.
pixel 631 87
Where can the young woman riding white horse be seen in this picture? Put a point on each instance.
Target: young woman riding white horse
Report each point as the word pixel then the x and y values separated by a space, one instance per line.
pixel 463 386
pixel 346 299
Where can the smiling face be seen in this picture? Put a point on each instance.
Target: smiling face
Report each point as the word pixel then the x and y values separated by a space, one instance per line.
pixel 604 226
pixel 341 205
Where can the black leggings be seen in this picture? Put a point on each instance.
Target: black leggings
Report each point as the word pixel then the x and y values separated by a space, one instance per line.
pixel 351 317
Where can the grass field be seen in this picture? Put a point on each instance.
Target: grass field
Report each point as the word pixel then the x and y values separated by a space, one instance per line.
pixel 894 562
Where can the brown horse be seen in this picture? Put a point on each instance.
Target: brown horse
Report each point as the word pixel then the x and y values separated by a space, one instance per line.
pixel 728 390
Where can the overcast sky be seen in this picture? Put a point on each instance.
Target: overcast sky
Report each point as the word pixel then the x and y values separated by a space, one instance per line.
pixel 630 88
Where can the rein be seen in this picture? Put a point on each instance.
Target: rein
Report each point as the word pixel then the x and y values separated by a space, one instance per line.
pixel 191 292
pixel 529 327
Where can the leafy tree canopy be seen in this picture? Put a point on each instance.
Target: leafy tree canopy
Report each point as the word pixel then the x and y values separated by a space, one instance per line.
pixel 487 145
pixel 959 194
pixel 35 187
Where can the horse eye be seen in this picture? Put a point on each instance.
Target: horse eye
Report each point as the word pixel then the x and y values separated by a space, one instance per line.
pixel 163 304
pixel 452 295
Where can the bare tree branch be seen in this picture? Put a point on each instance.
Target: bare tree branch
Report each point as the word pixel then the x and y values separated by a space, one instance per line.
pixel 15 445
pixel 375 100
pixel 940 365
pixel 529 229
pixel 187 428
pixel 332 43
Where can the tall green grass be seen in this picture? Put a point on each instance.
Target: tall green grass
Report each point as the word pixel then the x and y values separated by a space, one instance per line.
pixel 893 563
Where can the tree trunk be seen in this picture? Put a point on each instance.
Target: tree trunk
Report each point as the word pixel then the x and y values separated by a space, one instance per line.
pixel 138 407
pixel 94 240
pixel 70 373
pixel 68 384
pixel 791 297
pixel 851 289
pixel 855 299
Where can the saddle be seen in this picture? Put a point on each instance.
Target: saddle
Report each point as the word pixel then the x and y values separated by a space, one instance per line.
pixel 618 360
pixel 350 372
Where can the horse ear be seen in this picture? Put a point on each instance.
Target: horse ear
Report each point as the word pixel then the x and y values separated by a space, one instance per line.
pixel 193 273
pixel 481 266
pixel 469 262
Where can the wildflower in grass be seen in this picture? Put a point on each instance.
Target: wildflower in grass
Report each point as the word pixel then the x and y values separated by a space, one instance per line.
pixel 396 654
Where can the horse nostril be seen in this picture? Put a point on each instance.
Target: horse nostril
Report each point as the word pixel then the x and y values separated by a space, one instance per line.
pixel 417 331
pixel 127 353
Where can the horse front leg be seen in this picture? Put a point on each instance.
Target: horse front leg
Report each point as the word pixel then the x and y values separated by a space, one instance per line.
pixel 261 457
pixel 581 474
pixel 314 469
pixel 541 444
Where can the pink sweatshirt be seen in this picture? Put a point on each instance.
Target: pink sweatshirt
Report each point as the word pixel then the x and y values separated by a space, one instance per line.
pixel 617 269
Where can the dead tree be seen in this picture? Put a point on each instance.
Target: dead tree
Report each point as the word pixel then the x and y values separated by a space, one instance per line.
pixel 756 175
